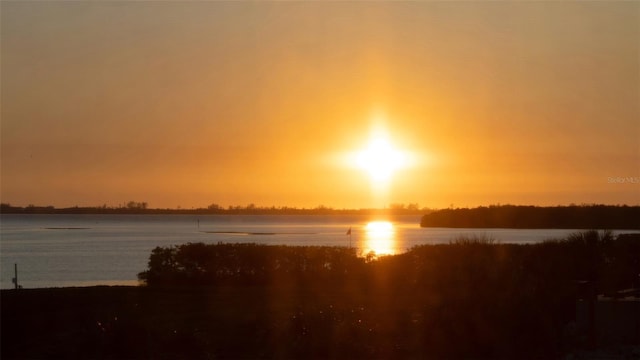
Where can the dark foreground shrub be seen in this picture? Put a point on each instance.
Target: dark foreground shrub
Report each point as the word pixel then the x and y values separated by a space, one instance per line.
pixel 249 264
pixel 470 298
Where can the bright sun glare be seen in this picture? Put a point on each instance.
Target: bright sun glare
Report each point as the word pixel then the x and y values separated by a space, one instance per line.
pixel 380 159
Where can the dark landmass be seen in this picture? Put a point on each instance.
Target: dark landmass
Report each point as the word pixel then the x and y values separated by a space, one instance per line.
pixel 472 298
pixel 532 217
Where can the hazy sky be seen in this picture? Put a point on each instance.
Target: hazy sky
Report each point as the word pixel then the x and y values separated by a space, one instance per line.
pixel 192 103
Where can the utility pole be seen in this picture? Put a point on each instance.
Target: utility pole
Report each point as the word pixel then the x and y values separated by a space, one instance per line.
pixel 15 279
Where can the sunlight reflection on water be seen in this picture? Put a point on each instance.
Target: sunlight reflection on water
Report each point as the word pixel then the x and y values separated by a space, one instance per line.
pixel 380 238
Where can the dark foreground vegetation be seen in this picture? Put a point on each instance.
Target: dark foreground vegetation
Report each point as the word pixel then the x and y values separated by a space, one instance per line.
pixel 533 217
pixel 472 298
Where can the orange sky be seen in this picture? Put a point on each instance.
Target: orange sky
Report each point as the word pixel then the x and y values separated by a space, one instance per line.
pixel 188 104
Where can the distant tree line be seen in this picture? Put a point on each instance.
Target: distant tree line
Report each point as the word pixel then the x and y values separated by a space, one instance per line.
pixel 532 217
pixel 470 298
pixel 135 207
pixel 131 207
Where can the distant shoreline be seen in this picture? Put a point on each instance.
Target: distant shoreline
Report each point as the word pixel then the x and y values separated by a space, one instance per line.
pixel 50 210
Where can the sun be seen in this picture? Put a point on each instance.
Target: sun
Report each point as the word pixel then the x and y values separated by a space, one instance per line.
pixel 380 159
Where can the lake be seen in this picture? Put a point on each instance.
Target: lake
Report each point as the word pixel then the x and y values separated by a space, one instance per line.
pixel 85 250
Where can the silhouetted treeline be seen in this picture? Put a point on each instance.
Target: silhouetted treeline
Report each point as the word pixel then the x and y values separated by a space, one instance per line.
pixel 471 298
pixel 249 264
pixel 610 263
pixel 134 207
pixel 532 217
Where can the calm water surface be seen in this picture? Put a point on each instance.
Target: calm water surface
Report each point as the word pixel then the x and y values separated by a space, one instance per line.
pixel 83 250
